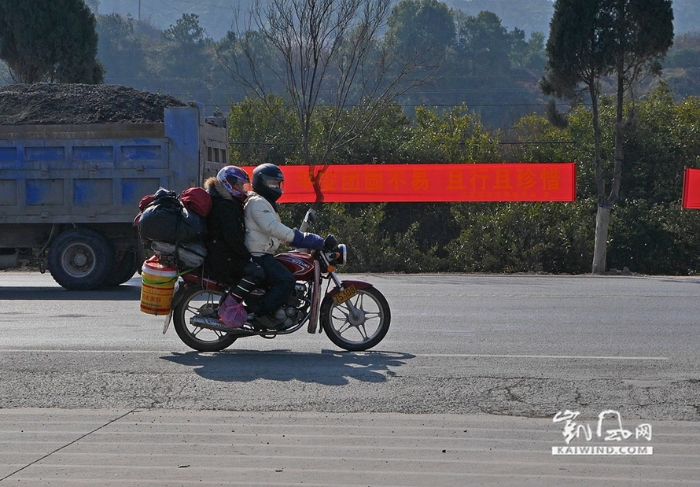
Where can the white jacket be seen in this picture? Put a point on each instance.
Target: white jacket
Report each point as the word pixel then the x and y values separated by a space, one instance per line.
pixel 264 230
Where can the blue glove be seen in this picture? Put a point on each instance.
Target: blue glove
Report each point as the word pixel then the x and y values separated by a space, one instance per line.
pixel 306 240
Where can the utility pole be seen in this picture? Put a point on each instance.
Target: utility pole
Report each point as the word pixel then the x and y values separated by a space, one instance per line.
pixel 139 10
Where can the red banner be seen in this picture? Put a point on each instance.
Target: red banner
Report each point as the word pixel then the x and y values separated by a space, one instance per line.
pixel 370 183
pixel 691 189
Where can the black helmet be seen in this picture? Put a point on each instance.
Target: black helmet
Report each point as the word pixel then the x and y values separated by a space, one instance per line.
pixel 267 181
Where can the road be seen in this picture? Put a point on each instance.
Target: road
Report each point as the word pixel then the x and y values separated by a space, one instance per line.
pixel 517 345
pixel 474 385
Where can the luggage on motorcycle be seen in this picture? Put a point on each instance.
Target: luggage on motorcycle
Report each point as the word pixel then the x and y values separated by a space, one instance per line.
pixel 197 199
pixel 157 286
pixel 184 257
pixel 165 219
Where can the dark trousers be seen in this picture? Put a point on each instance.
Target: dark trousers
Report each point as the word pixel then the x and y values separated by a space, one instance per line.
pixel 253 276
pixel 280 281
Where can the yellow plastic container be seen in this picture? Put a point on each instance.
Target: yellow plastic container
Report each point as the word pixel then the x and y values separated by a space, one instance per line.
pixel 157 287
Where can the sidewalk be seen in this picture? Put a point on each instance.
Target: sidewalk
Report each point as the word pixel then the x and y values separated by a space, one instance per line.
pixel 41 447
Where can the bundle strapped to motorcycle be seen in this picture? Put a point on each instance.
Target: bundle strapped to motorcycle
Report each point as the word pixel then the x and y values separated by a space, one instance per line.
pixel 174 226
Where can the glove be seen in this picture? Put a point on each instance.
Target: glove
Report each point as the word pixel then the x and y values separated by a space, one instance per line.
pixel 306 240
pixel 330 243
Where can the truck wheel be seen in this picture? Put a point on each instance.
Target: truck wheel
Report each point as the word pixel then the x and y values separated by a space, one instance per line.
pixel 81 259
pixel 124 269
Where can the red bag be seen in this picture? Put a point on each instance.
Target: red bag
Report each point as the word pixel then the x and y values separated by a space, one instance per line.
pixel 196 199
pixel 143 204
pixel 145 201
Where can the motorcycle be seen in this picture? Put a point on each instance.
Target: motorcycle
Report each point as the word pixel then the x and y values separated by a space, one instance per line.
pixel 353 314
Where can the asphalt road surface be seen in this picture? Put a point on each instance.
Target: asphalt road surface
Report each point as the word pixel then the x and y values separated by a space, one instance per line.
pixel 516 345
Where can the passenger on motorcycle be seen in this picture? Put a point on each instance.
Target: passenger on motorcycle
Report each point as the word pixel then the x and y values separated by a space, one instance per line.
pixel 228 259
pixel 264 232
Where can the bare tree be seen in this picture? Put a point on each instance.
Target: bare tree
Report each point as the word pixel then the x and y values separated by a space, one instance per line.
pixel 326 58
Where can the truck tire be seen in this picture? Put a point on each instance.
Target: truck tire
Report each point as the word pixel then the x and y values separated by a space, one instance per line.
pixel 81 259
pixel 124 269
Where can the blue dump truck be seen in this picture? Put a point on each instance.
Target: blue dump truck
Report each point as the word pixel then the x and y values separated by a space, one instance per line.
pixel 69 193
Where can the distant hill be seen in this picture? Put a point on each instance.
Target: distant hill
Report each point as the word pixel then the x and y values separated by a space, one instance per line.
pixel 216 16
pixel 534 15
pixel 528 15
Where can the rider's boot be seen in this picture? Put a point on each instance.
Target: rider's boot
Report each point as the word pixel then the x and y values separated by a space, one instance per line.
pixel 274 322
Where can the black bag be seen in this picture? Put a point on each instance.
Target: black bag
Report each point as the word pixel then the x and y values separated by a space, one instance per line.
pixel 165 219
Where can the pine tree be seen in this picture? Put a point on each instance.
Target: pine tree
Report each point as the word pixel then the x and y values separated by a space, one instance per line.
pixel 49 41
pixel 592 39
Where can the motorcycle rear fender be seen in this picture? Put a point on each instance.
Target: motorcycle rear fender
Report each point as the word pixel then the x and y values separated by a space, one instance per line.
pixel 179 293
pixel 357 284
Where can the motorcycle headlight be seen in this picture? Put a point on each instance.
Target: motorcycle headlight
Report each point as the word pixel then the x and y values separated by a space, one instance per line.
pixel 330 242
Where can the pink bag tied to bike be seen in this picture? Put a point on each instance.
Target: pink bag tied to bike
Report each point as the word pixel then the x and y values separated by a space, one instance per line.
pixel 232 313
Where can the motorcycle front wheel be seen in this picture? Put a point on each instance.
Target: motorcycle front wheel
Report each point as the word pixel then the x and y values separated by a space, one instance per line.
pixel 359 323
pixel 200 302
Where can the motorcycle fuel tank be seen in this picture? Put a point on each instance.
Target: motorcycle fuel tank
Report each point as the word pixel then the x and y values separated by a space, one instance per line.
pixel 300 264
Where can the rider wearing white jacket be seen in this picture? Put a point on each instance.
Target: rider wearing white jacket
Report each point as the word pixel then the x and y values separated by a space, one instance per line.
pixel 263 235
pixel 264 230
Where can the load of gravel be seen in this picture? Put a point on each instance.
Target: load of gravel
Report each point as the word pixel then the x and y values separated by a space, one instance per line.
pixel 63 103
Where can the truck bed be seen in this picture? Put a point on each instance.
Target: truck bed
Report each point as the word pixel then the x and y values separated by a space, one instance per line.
pixel 94 173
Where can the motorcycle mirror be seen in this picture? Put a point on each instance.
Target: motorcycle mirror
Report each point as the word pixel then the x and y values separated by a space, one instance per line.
pixel 310 216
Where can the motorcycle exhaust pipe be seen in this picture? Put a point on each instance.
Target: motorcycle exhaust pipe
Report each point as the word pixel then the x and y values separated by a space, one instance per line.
pixel 214 324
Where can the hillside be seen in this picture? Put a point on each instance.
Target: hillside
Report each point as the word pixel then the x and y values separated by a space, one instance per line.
pixel 216 16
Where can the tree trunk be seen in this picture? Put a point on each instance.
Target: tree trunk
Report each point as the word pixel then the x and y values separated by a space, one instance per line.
pixel 602 222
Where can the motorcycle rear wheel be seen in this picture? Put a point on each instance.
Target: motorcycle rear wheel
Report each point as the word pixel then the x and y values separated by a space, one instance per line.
pixel 359 330
pixel 198 301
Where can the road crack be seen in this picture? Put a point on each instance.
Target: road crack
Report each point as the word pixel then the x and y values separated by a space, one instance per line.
pixel 67 444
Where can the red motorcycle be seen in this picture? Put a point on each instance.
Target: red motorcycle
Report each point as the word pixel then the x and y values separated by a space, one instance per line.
pixel 354 314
